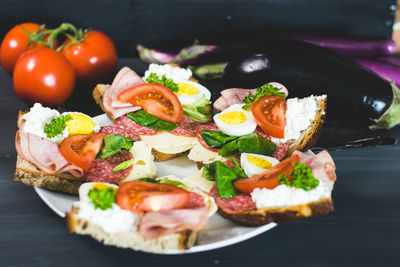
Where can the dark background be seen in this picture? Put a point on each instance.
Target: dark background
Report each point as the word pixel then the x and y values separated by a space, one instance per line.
pixel 364 229
pixel 175 23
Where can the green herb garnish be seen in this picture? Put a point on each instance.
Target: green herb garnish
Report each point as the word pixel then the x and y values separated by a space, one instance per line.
pixel 265 90
pixel 124 165
pixel 224 176
pixel 56 126
pixel 154 78
pixel 301 177
pixel 197 110
pixel 147 180
pixel 143 118
pixel 114 143
pixel 102 198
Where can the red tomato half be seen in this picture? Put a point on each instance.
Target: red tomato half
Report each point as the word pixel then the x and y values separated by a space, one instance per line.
pixel 140 196
pixel 267 179
pixel 156 99
pixel 43 75
pixel 80 150
pixel 15 43
pixel 270 114
pixel 93 58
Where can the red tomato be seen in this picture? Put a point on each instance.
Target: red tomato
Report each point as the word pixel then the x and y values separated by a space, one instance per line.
pixel 156 99
pixel 80 150
pixel 43 75
pixel 269 178
pixel 93 58
pixel 270 114
pixel 15 43
pixel 140 196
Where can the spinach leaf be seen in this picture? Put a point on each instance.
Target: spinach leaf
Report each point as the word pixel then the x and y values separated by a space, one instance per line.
pixel 163 125
pixel 173 182
pixel 197 110
pixel 114 143
pixel 224 176
pixel 255 143
pixel 229 148
pixel 143 118
pixel 216 138
pixel 148 180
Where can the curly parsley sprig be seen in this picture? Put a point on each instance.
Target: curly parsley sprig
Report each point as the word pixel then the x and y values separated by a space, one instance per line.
pixel 302 177
pixel 265 90
pixel 56 126
pixel 154 78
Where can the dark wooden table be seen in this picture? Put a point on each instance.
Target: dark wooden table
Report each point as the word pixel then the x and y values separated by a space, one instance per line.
pixel 364 229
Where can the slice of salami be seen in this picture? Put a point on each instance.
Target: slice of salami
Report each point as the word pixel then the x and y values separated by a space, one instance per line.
pixel 187 127
pixel 236 204
pixel 101 169
pixel 281 150
pixel 196 201
pixel 209 126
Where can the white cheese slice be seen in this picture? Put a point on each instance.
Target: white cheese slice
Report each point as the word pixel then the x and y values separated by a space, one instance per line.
pixel 169 143
pixel 201 154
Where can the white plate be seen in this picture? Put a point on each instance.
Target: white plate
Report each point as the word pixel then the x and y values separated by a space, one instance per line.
pixel 218 233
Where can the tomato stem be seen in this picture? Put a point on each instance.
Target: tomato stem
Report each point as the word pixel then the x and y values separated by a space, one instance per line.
pixel 37 36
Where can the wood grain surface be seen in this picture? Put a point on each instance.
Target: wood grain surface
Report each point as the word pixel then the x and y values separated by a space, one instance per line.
pixel 364 229
pixel 176 23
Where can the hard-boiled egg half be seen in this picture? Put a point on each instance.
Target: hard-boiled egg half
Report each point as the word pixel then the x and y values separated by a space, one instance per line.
pixel 80 123
pixel 235 121
pixel 254 163
pixel 38 117
pixel 188 91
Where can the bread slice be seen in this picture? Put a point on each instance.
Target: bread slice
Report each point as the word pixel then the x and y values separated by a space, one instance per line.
pixel 130 239
pixel 309 136
pixel 98 93
pixel 29 174
pixel 281 215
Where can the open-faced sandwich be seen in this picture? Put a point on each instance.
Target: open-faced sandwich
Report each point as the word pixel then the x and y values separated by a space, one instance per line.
pixel 154 215
pixel 242 152
pixel 59 152
pixel 164 108
pixel 260 121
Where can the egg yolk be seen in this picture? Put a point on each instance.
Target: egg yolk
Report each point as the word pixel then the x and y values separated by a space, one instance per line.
pixel 80 124
pixel 186 89
pixel 98 186
pixel 259 162
pixel 233 117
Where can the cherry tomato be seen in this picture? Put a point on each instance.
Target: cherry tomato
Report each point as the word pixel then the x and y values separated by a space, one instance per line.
pixel 270 114
pixel 156 99
pixel 43 75
pixel 80 150
pixel 140 196
pixel 16 42
pixel 269 178
pixel 93 58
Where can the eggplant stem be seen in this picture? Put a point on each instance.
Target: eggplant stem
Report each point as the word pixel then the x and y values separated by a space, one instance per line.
pixel 209 71
pixel 391 117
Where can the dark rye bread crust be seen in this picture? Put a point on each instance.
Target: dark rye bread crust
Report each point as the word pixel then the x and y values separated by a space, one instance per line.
pixel 178 241
pixel 280 215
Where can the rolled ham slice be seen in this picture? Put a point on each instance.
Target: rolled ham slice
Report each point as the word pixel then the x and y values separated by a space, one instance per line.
pixel 322 165
pixel 125 78
pixel 156 224
pixel 44 154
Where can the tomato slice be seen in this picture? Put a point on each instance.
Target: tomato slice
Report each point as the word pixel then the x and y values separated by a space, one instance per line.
pixel 270 114
pixel 269 178
pixel 81 149
pixel 140 196
pixel 156 99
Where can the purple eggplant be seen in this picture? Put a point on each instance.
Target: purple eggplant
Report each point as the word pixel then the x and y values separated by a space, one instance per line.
pixel 357 47
pixel 388 69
